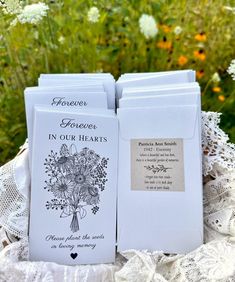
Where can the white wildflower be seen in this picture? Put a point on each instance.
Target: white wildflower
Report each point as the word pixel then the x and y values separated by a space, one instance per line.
pixel 177 30
pixel 61 39
pixel 231 69
pixel 215 77
pixel 201 45
pixel 148 26
pixel 11 7
pixel 230 9
pixel 33 13
pixel 93 14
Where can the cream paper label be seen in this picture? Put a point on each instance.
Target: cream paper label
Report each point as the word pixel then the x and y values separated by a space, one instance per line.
pixel 157 165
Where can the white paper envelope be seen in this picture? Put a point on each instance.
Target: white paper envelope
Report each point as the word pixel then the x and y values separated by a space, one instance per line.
pixel 160 179
pixel 67 88
pixel 108 83
pixel 91 111
pixel 73 188
pixel 59 75
pixel 66 101
pixel 67 81
pixel 171 78
pixel 145 74
pixel 161 89
pixel 160 100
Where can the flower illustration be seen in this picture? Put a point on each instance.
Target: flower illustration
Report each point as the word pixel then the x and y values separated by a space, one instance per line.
pixel 90 194
pixel 81 176
pixel 87 158
pixel 148 26
pixel 65 161
pixel 75 180
pixel 63 188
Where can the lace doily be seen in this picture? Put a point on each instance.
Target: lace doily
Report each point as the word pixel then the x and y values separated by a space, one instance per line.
pixel 216 148
pixel 14 195
pixel 213 261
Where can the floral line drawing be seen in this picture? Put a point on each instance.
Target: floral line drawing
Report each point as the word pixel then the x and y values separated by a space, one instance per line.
pixel 158 168
pixel 75 181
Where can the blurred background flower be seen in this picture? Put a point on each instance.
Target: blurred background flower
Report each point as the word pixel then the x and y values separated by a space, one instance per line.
pixel 231 69
pixel 33 13
pixel 114 36
pixel 11 6
pixel 93 15
pixel 148 26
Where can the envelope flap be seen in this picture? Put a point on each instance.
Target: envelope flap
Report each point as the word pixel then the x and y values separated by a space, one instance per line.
pixel 162 122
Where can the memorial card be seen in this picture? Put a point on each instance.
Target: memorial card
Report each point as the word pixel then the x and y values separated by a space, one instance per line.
pixel 73 189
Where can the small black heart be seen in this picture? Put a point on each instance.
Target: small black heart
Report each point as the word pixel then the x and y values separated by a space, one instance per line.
pixel 73 255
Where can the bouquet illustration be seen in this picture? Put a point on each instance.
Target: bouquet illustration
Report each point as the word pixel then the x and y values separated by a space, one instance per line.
pixel 75 181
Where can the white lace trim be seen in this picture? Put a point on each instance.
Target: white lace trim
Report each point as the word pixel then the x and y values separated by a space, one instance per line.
pixel 13 203
pixel 214 261
pixel 216 148
pixel 219 204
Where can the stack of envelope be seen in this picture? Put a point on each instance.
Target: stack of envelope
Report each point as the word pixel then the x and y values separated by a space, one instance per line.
pixel 69 92
pixel 73 152
pixel 160 174
pixel 93 169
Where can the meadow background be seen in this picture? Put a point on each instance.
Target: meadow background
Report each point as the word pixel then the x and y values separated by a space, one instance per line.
pixel 67 36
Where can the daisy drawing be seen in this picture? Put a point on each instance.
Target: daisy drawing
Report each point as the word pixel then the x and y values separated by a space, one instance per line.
pixel 75 180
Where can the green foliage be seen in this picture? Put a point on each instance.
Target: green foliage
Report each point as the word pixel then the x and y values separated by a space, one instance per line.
pixel 65 41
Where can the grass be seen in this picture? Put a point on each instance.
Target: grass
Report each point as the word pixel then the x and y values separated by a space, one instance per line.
pixel 65 41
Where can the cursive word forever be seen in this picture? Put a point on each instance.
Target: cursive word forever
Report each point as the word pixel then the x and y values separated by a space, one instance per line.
pixel 60 101
pixel 69 122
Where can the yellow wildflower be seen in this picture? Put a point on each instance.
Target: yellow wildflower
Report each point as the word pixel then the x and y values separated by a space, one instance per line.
pixel 164 44
pixel 200 54
pixel 182 60
pixel 216 89
pixel 200 37
pixel 165 28
pixel 221 98
pixel 199 74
